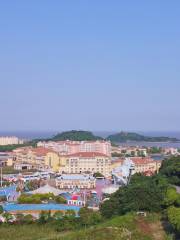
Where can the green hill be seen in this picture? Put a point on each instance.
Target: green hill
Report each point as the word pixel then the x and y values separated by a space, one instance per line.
pixel 130 136
pixel 76 136
pixel 124 227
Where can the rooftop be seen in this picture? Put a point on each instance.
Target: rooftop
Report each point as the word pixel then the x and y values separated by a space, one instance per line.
pixel 75 177
pixel 38 207
pixel 142 160
pixel 87 154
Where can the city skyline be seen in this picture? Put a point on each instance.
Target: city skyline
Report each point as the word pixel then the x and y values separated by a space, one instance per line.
pixel 92 66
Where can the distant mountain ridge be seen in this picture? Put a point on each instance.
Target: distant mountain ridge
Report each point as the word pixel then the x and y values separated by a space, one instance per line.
pixel 131 136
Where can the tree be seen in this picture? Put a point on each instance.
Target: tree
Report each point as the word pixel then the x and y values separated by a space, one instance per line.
pixel 70 213
pixel 1 209
pixel 171 169
pixel 142 194
pixel 60 199
pixel 58 215
pixel 98 175
pixel 171 197
pixel 8 217
pixel 174 217
pixel 28 219
pixel 19 218
pixel 32 185
pixel 76 136
pixel 88 217
pixel 45 216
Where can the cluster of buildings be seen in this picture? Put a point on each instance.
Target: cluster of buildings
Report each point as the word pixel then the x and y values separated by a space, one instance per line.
pixel 70 147
pixel 171 151
pixel 77 158
pixel 123 171
pixel 130 151
pixel 10 141
pixel 72 165
pixel 66 157
pixel 137 151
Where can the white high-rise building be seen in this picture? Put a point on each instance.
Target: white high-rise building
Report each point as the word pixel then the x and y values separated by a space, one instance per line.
pixel 10 140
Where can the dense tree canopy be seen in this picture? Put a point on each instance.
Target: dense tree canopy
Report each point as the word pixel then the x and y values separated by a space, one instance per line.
pixel 171 169
pixel 142 194
pixel 131 136
pixel 174 217
pixel 76 136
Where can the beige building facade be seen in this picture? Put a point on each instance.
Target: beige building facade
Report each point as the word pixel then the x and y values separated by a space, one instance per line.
pixel 87 162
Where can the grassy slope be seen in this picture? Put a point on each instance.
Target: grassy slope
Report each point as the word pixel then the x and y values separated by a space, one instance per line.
pixel 122 228
pixel 119 228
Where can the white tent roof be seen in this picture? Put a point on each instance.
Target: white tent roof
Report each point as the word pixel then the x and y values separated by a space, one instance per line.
pixel 47 189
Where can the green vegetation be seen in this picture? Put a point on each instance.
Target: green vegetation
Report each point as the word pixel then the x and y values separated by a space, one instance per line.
pixel 40 198
pixel 76 136
pixel 32 185
pixel 1 209
pixel 11 170
pixel 129 136
pixel 28 232
pixel 68 135
pixel 171 170
pixel 117 218
pixel 115 154
pixel 125 227
pixel 9 148
pixel 60 199
pixel 174 217
pixel 142 194
pixel 98 175
pixel 150 194
pixel 155 150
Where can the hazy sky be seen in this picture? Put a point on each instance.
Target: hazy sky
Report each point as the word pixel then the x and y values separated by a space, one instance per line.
pixel 96 65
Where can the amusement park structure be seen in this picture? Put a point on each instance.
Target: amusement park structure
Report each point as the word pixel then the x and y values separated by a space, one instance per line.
pixel 121 175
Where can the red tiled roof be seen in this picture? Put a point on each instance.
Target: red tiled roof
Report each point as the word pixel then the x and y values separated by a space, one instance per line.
pixel 141 160
pixel 40 151
pixel 87 154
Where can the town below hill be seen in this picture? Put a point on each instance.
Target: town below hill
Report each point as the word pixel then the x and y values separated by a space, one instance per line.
pixel 80 135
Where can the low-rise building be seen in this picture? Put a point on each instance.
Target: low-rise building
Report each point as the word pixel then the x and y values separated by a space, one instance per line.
pixel 10 140
pixel 145 165
pixel 87 162
pixel 72 181
pixel 130 151
pixel 171 151
pixel 70 147
pixel 81 162
pixel 22 166
pixel 36 157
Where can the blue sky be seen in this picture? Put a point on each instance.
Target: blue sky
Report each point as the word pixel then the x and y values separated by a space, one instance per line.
pixel 96 65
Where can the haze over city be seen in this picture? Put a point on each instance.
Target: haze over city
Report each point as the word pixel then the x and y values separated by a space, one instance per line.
pixel 98 66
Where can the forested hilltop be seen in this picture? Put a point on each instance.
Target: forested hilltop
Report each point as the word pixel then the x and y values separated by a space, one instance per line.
pixel 68 135
pixel 80 135
pixel 131 136
pixel 76 136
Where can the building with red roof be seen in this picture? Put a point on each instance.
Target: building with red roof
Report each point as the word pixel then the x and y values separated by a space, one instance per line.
pixel 146 165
